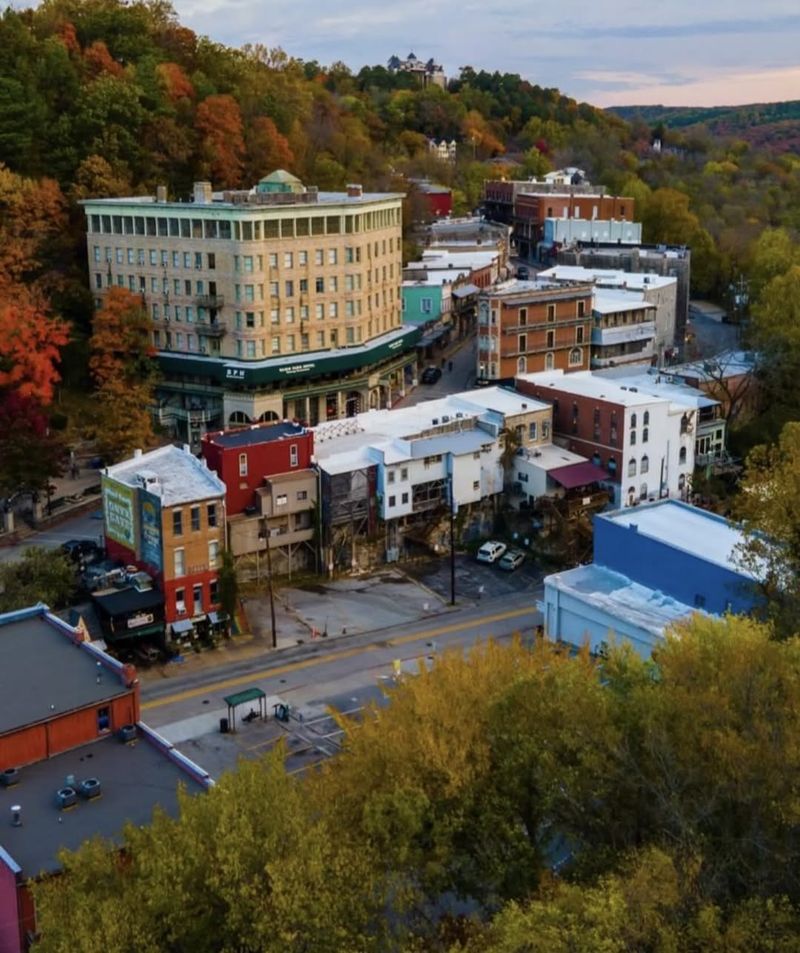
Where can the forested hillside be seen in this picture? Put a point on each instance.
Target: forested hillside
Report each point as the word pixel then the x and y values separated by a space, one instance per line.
pixel 771 126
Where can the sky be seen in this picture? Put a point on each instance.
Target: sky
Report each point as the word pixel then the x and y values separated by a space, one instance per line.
pixel 606 52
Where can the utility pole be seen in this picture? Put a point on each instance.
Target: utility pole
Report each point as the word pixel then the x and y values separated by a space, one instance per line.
pixel 270 590
pixel 452 508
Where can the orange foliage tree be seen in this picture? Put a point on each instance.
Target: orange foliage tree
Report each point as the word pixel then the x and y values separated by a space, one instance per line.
pixel 33 223
pixel 175 82
pixel 219 122
pixel 30 348
pixel 267 149
pixel 123 367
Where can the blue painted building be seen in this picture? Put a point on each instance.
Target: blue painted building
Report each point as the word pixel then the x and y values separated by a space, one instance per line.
pixel 653 565
pixel 678 549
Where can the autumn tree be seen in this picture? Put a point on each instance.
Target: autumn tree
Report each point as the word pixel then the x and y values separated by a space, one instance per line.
pixel 123 368
pixel 267 149
pixel 219 123
pixel 249 866
pixel 769 506
pixel 41 575
pixel 31 452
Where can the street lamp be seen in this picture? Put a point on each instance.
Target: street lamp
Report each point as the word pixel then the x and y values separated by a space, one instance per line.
pixel 265 536
pixel 452 507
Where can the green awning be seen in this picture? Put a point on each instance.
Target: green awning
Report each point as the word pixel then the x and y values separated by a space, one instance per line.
pixel 248 695
pixel 299 367
pixel 124 635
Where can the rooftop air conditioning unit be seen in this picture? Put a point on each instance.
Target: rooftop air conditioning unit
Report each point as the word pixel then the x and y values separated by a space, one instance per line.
pixel 66 797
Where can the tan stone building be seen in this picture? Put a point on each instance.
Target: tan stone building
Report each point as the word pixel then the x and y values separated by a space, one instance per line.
pixel 529 326
pixel 273 303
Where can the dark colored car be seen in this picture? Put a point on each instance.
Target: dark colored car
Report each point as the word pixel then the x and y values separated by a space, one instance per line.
pixel 86 549
pixel 522 273
pixel 431 374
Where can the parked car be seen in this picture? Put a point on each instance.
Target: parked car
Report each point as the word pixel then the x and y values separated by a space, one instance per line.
pixel 522 273
pixel 82 549
pixel 511 560
pixel 431 374
pixel 490 552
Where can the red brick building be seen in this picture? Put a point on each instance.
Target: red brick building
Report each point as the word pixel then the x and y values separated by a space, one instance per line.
pixel 165 513
pixel 243 457
pixel 529 326
pixel 69 733
pixel 271 490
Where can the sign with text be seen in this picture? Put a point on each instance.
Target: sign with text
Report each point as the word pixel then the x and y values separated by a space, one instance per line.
pixel 150 529
pixel 118 512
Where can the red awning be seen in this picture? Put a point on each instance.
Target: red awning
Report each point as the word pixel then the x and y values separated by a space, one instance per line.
pixel 578 474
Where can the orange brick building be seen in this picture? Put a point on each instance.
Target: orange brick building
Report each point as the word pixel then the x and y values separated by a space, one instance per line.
pixel 75 761
pixel 530 326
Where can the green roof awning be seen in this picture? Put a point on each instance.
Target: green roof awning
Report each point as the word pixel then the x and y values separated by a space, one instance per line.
pixel 248 695
pixel 298 367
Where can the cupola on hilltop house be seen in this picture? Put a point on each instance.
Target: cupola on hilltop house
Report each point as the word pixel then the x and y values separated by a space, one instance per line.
pixel 271 303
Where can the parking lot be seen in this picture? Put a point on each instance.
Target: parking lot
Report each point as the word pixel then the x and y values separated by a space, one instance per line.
pixel 474 580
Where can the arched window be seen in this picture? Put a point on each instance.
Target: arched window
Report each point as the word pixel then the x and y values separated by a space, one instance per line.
pixel 522 365
pixel 575 356
pixel 644 467
pixel 682 455
pixel 645 434
pixel 631 467
pixel 549 361
pixel 633 421
pixel 238 419
pixel 631 494
pixel 633 438
pixel 646 420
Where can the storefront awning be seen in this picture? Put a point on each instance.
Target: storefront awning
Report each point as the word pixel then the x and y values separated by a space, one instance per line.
pixel 578 474
pixel 218 618
pixel 464 291
pixel 182 626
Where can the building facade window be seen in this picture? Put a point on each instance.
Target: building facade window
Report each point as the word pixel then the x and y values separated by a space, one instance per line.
pixel 644 466
pixel 179 562
pixel 575 356
pixel 177 522
pixel 211 514
pixel 213 553
pixel 242 464
pixel 631 467
pixel 195 516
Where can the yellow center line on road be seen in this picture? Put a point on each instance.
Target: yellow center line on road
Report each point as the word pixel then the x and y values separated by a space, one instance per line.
pixel 333 657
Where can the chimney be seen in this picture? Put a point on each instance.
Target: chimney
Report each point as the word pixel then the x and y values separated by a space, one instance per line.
pixel 161 194
pixel 137 452
pixel 202 193
pixel 16 815
pixel 354 191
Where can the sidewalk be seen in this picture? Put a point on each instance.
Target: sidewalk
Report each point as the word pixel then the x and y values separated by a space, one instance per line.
pixel 72 491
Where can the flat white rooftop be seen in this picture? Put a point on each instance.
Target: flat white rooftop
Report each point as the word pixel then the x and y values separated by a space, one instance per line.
pixel 613 300
pixel 181 477
pixel 620 597
pixel 660 385
pixel 608 277
pixel 587 384
pixel 684 527
pixel 550 457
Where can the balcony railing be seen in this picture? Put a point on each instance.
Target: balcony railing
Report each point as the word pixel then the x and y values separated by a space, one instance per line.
pixel 212 302
pixel 212 330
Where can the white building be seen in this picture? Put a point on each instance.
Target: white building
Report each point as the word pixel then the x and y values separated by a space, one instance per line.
pixel 711 430
pixel 566 231
pixel 657 290
pixel 644 442
pixel 434 454
pixel 624 329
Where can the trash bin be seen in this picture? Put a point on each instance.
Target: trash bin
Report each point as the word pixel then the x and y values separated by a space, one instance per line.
pixel 224 727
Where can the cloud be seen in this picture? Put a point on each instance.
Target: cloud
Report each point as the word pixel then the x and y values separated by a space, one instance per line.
pixel 608 51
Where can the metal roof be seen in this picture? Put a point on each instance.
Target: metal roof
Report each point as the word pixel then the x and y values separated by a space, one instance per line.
pixel 44 674
pixel 135 778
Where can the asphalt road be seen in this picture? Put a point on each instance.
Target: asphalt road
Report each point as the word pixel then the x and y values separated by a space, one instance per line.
pixel 85 526
pixel 314 674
